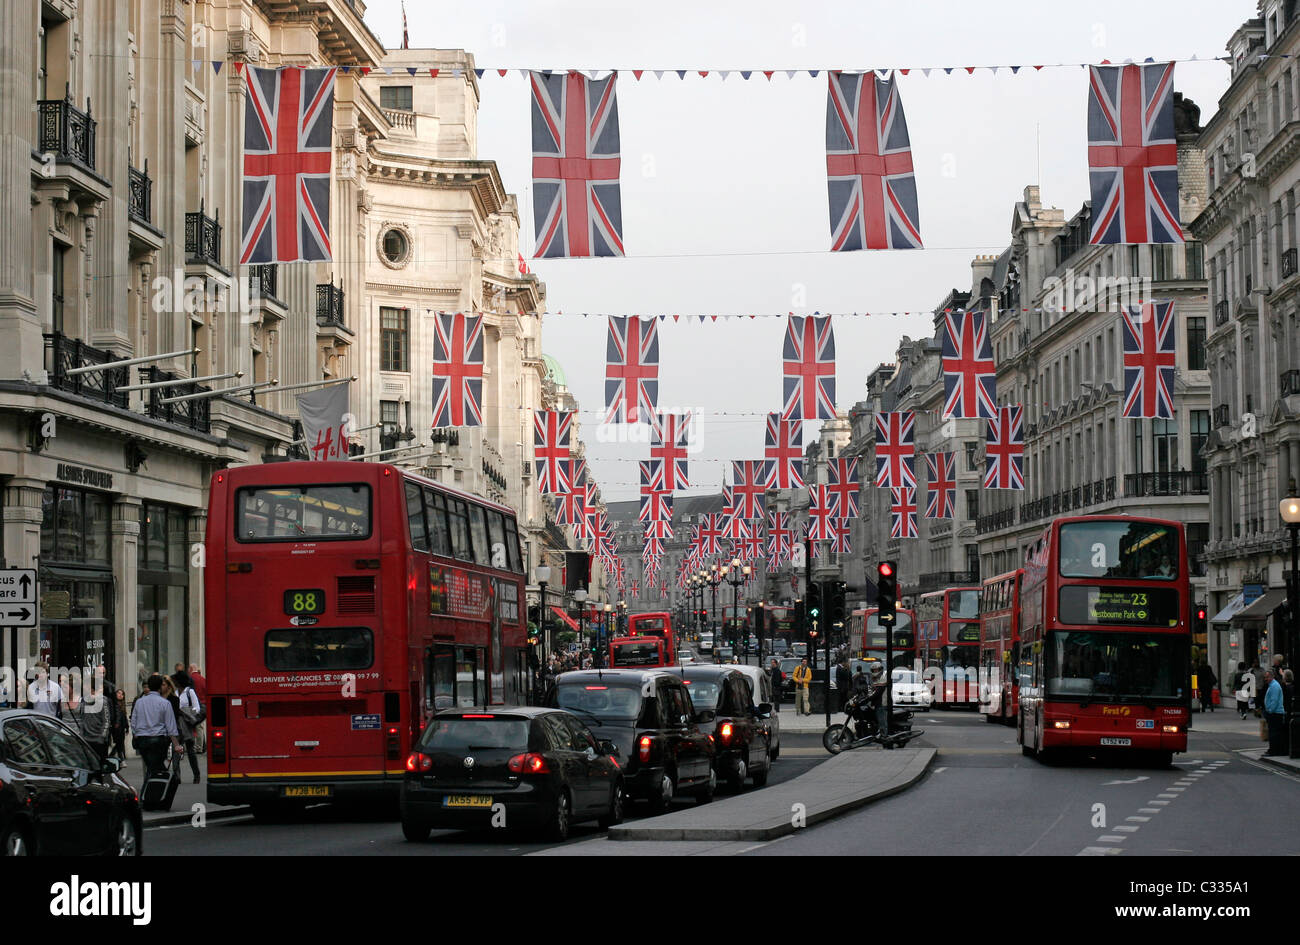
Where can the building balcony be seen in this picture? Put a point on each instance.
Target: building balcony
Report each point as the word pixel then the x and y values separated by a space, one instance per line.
pixel 1221 312
pixel 191 414
pixel 203 237
pixel 66 132
pixel 139 196
pixel 1222 416
pixel 1181 482
pixel 263 282
pixel 401 120
pixel 63 354
pixel 329 305
pixel 1289 263
pixel 1290 383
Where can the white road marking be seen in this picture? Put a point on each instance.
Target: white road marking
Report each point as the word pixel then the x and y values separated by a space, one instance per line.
pixel 1136 780
pixel 1125 828
pixel 1175 790
pixel 1160 803
pixel 1099 851
pixel 938 769
pixel 1140 820
pixel 1168 797
pixel 1111 839
pixel 1148 810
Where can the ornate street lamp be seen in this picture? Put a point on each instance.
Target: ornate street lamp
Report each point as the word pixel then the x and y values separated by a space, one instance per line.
pixel 543 578
pixel 580 595
pixel 1290 510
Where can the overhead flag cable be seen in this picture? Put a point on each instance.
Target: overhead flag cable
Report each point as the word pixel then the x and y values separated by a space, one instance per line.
pixel 458 370
pixel 577 208
pixel 869 179
pixel 1133 154
pixel 808 365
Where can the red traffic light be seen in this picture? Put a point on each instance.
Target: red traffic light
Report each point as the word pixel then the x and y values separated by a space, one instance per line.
pixel 886 569
pixel 1200 614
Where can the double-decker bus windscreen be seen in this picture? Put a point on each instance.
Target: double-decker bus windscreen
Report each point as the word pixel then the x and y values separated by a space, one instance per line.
pixel 964 605
pixel 297 513
pixel 1115 667
pixel 1117 549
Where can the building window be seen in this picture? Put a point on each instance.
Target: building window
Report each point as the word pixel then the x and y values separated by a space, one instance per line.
pixel 57 260
pixel 74 527
pixel 1137 447
pixel 393 341
pixel 396 97
pixel 1162 262
pixel 972 504
pixel 1134 266
pixel 971 447
pixel 1196 344
pixel 973 561
pixel 395 247
pixel 1164 445
pixel 1199 423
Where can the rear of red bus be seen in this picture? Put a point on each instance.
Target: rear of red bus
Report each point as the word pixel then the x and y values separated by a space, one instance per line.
pixel 658 624
pixel 1106 620
pixel 867 637
pixel 1000 647
pixel 641 652
pixel 957 651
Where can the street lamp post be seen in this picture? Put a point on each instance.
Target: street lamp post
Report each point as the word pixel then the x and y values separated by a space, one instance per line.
pixel 736 579
pixel 1290 509
pixel 543 578
pixel 580 595
pixel 717 576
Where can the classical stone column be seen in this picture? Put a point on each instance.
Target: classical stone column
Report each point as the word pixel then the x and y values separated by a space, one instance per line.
pixel 196 566
pixel 125 538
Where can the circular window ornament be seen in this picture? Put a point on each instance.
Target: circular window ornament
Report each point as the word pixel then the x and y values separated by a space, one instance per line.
pixel 394 246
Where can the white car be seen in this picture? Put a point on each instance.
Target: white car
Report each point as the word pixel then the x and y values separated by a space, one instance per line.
pixel 911 690
pixel 706 643
pixel 762 684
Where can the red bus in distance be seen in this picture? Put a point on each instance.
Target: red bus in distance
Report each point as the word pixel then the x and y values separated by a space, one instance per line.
pixel 636 652
pixel 948 643
pixel 1000 647
pixel 867 637
pixel 657 624
pixel 1106 638
pixel 346 602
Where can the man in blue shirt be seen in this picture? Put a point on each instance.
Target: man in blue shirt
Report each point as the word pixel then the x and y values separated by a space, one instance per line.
pixel 1275 714
pixel 152 723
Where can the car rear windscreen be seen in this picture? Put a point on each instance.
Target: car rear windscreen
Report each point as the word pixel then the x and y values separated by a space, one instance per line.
pixel 601 700
pixel 463 735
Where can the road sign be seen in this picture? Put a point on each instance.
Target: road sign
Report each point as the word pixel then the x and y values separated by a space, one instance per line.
pixel 18 598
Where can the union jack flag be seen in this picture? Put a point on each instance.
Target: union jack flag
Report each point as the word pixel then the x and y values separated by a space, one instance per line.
pixel 942 471
pixel 668 444
pixel 969 378
pixel 783 448
pixel 779 539
pixel 750 487
pixel 1004 450
pixel 753 544
pixel 551 429
pixel 288 142
pixel 821 511
pixel 895 450
pixel 1149 360
pixel 656 503
pixel 458 370
pixel 736 530
pixel 842 471
pixel 902 511
pixel 839 537
pixel 577 210
pixel 869 165
pixel 711 534
pixel 636 588
pixel 663 590
pixel 660 528
pixel 1133 155
pixel 584 527
pixel 568 504
pixel 631 369
pixel 808 358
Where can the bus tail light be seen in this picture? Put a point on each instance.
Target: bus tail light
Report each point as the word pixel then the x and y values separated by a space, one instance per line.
pixel 394 743
pixel 417 762
pixel 364 564
pixel 218 747
pixel 530 763
pixel 724 732
pixel 1171 729
pixel 239 567
pixel 1061 724
pixel 643 747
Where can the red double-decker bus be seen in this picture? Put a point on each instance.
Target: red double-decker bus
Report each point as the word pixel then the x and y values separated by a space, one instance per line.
pixel 1000 647
pixel 867 637
pixel 948 641
pixel 346 602
pixel 1106 636
pixel 658 624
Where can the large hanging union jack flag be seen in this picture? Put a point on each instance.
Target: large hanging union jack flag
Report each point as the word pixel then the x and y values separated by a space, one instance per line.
pixel 808 358
pixel 783 449
pixel 631 369
pixel 779 538
pixel 711 534
pixel 821 511
pixel 895 450
pixel 842 476
pixel 1133 155
pixel 656 502
pixel 551 429
pixel 668 444
pixel 942 471
pixel 841 543
pixel 458 370
pixel 969 378
pixel 288 143
pixel 749 487
pixel 1004 450
pixel 869 165
pixel 577 210
pixel 751 546
pixel 1149 360
pixel 902 511
pixel 568 504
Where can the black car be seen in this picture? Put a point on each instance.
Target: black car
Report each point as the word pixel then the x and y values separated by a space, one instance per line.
pixel 56 798
pixel 648 714
pixel 512 767
pixel 741 730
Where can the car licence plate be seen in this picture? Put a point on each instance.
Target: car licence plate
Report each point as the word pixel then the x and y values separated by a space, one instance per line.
pixel 307 790
pixel 467 800
pixel 1117 741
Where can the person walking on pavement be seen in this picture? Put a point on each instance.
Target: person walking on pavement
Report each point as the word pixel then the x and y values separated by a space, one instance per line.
pixel 777 678
pixel 842 681
pixel 1206 679
pixel 1239 688
pixel 99 714
pixel 44 695
pixel 182 701
pixel 200 685
pixel 1274 714
pixel 802 677
pixel 119 725
pixel 153 722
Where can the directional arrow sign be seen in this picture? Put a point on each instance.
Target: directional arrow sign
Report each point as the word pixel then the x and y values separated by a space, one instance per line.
pixel 18 586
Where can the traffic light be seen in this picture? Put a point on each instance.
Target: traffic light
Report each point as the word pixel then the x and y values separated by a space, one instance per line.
pixel 799 612
pixel 887 591
pixel 814 605
pixel 835 593
pixel 1198 621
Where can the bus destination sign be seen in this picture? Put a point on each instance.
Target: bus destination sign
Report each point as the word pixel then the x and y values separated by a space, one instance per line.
pixel 1157 607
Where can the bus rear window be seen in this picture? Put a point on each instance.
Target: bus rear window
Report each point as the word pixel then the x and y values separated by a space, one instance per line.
pixel 299 513
pixel 319 648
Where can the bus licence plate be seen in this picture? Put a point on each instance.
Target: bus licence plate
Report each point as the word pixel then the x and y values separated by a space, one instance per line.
pixel 307 790
pixel 467 800
pixel 1117 741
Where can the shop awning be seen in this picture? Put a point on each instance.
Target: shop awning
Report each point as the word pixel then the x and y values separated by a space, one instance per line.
pixel 565 617
pixel 1234 606
pixel 1263 607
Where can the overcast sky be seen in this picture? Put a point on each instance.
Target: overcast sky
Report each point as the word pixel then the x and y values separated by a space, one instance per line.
pixel 723 182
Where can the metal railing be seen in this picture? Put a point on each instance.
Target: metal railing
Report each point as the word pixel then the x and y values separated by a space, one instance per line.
pixel 66 131
pixel 1290 383
pixel 447 435
pixel 193 414
pixel 329 304
pixel 62 354
pixel 203 237
pixel 1221 312
pixel 1222 416
pixel 1180 482
pixel 263 281
pixel 1289 263
pixel 139 197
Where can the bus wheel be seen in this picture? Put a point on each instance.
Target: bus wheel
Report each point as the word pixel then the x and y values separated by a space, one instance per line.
pixel 267 812
pixel 1162 759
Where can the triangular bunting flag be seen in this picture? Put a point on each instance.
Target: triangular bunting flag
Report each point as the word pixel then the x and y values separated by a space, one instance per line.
pixel 1037 68
pixel 364 70
pixel 457 73
pixel 926 73
pixel 681 73
pixel 411 70
pixel 883 73
pixel 196 64
pixel 704 74
pixel 216 66
pixel 388 70
pixel 502 72
pixel 904 71
pixel 768 73
pixel 347 69
pixel 637 73
pixel 239 68
pixel 814 72
pixel 433 73
pixel 947 70
pixel 724 73
pixel 479 73
pixel 970 70
pixel 1015 70
pixel 591 74
pixel 659 73
pixel 745 75
pixel 789 73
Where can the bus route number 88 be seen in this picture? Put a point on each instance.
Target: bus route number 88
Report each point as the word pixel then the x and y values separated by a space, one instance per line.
pixel 304 601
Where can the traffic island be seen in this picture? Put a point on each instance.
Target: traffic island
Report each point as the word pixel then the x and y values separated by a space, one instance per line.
pixel 838 785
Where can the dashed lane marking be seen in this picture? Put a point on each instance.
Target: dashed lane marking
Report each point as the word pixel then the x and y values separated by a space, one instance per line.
pixel 1125 828
pixel 1148 810
pixel 1099 851
pixel 1139 820
pixel 1111 839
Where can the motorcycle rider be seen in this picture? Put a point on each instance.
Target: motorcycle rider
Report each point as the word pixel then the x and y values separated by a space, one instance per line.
pixel 878 699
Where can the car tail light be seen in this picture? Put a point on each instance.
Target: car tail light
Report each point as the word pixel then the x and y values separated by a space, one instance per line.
pixel 724 731
pixel 529 763
pixel 218 747
pixel 418 761
pixel 394 743
pixel 643 747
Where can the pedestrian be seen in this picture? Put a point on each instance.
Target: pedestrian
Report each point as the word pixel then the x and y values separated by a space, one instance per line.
pixel 778 678
pixel 182 700
pixel 802 677
pixel 200 685
pixel 1274 714
pixel 98 714
pixel 43 695
pixel 842 682
pixel 1206 679
pixel 153 722
pixel 71 712
pixel 1256 689
pixel 119 726
pixel 1239 687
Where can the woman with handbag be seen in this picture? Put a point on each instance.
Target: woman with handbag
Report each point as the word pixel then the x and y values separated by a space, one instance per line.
pixel 179 702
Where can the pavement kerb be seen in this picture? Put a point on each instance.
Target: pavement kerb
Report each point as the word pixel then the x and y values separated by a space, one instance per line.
pixel 909 766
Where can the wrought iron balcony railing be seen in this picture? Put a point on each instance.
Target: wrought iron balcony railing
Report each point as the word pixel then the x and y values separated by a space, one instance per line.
pixel 62 354
pixel 203 237
pixel 1222 416
pixel 192 414
pixel 1221 312
pixel 1290 383
pixel 263 281
pixel 139 198
pixel 1289 263
pixel 329 304
pixel 66 131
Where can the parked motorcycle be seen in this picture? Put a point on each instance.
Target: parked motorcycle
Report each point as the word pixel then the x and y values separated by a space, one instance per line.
pixel 860 726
